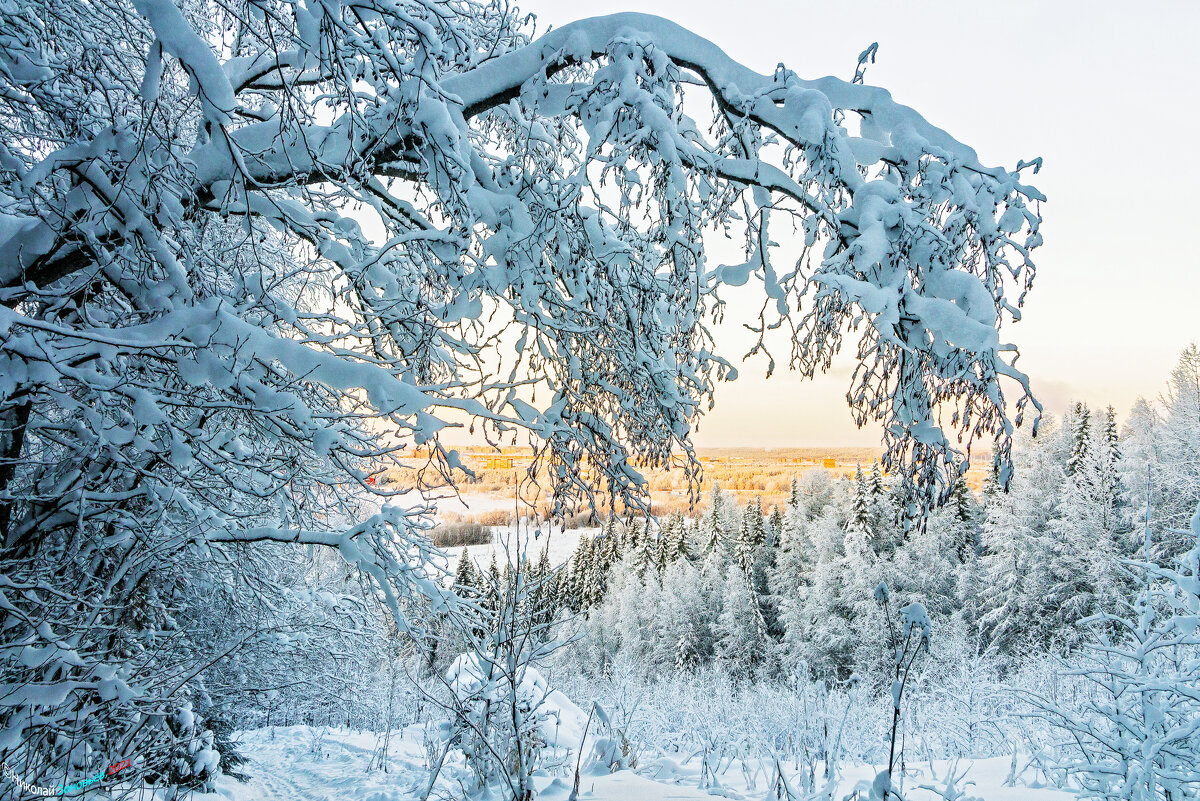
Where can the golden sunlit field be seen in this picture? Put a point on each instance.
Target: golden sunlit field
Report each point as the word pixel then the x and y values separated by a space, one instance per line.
pixel 745 473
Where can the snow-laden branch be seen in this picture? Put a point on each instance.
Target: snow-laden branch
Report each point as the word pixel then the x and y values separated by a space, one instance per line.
pixel 560 178
pixel 791 106
pixel 253 252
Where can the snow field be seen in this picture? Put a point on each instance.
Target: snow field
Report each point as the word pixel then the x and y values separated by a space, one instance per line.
pixel 558 543
pixel 286 766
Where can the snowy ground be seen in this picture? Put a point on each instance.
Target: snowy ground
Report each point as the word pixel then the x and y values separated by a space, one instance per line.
pixel 291 765
pixel 474 503
pixel 558 543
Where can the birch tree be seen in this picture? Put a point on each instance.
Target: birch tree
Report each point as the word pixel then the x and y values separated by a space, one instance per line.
pixel 254 252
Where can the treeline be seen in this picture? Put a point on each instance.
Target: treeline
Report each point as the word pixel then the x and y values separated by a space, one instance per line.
pixel 456 534
pixel 792 588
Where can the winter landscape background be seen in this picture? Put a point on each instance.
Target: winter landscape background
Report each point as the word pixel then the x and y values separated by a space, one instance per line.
pixel 430 399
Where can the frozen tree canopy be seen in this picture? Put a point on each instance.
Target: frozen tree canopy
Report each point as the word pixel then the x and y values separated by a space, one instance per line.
pixel 432 172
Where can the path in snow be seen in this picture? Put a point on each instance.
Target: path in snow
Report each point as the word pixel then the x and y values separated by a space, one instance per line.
pixel 287 767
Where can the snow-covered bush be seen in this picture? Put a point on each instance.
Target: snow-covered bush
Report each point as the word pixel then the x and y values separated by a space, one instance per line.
pixel 959 705
pixel 501 712
pixel 1134 734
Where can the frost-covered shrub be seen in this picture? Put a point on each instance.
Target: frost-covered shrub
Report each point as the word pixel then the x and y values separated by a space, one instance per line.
pixel 689 714
pixel 498 709
pixel 1134 732
pixel 959 705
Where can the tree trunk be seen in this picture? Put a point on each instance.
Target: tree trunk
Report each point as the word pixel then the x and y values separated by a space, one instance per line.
pixel 13 420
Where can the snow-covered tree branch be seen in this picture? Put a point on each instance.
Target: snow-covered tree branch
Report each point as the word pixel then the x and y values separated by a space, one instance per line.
pixel 559 178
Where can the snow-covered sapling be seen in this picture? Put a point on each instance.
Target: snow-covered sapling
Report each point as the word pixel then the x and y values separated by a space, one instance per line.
pixel 908 637
pixel 504 715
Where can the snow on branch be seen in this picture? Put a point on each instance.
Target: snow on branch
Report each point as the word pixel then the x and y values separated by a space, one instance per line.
pixel 538 210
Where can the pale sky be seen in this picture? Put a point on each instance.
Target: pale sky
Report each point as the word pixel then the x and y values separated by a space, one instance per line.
pixel 1104 91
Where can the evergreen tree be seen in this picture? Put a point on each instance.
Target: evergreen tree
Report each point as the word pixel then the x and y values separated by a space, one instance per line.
pixel 925 569
pixel 863 572
pixel 605 553
pixel 1016 603
pixel 964 538
pixel 1141 466
pixel 574 593
pixel 465 580
pixel 683 618
pixel 684 542
pixel 1158 455
pixel 756 556
pixel 1108 479
pixel 960 503
pixel 673 541
pixel 1080 433
pixel 600 551
pixel 713 525
pixel 631 537
pixel 713 565
pixel 816 619
pixel 646 550
pixel 876 482
pixel 626 617
pixel 491 586
pixel 741 631
pixel 794 562
pixel 545 590
pixel 1112 439
pixel 860 506
pixel 608 545
pixel 884 531
pixel 1086 538
pixel 1178 474
pixel 752 537
pixel 775 526
pixel 991 483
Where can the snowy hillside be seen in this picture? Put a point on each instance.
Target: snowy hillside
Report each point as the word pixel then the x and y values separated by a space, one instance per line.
pixel 301 763
pixel 261 261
